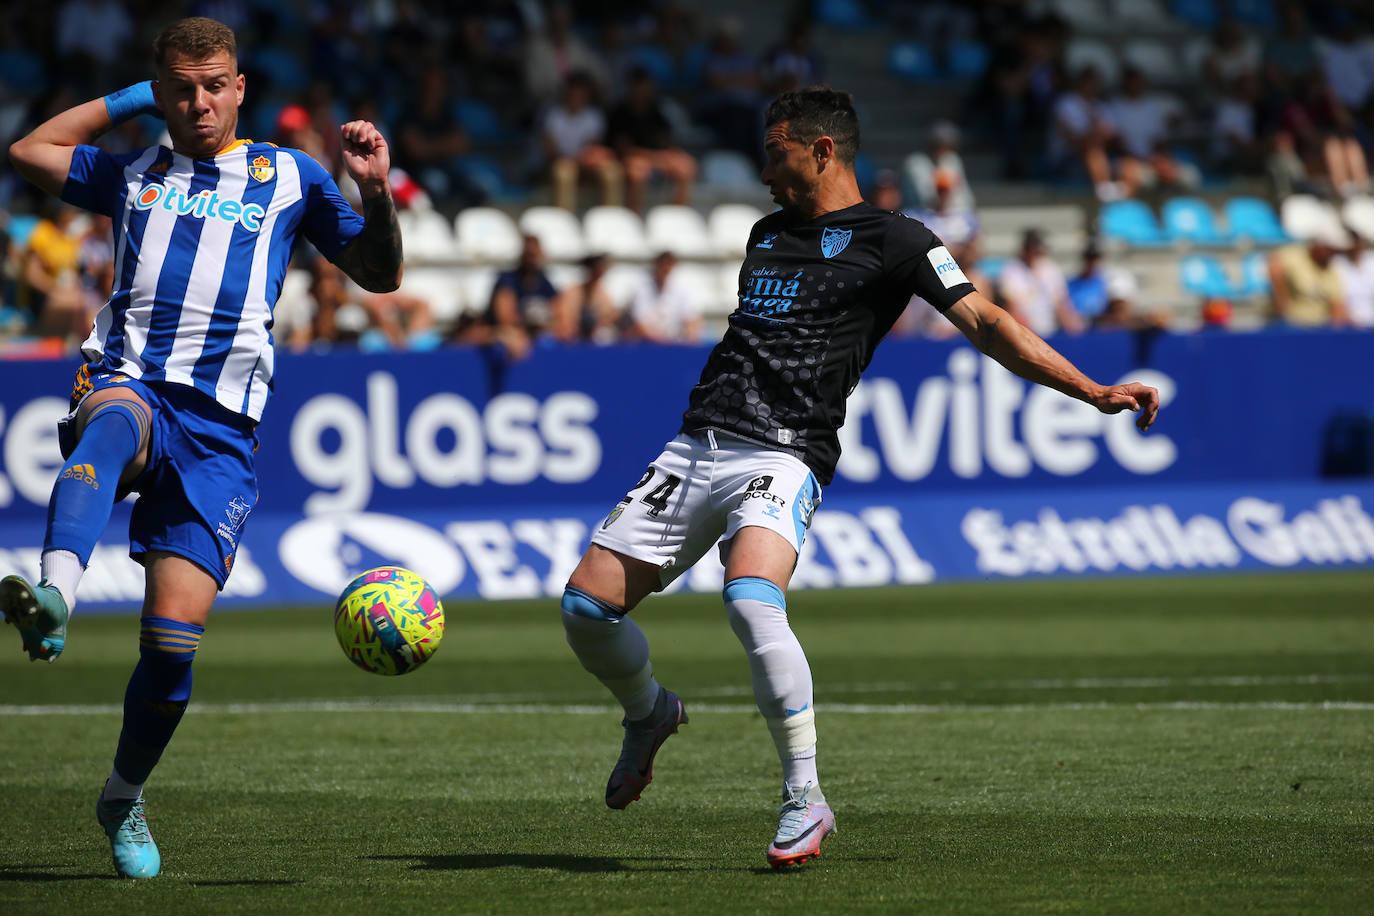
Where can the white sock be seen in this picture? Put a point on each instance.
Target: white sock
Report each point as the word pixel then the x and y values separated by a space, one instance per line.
pixel 62 570
pixel 116 787
pixel 780 673
pixel 617 652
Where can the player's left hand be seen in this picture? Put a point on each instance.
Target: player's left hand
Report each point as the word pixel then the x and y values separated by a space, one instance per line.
pixel 365 153
pixel 1131 396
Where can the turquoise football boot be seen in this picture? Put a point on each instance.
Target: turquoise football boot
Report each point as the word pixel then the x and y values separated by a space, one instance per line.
pixel 39 612
pixel 135 853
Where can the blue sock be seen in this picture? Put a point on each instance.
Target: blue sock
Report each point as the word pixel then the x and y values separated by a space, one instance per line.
pixel 157 694
pixel 84 492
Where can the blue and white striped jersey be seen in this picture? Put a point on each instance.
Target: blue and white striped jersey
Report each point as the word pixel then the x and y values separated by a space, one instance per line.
pixel 201 250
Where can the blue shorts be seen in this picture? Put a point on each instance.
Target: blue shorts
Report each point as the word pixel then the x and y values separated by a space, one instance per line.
pixel 200 482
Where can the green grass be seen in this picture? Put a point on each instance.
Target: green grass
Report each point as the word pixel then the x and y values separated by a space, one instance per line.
pixel 1154 746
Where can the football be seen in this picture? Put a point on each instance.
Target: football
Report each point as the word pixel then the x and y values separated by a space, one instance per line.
pixel 389 621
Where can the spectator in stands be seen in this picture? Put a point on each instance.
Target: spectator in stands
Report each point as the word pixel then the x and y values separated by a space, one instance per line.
pixel 1088 289
pixel 343 310
pixel 941 157
pixel 592 315
pixel 1237 147
pixel 1291 52
pixel 730 99
pixel 92 37
pixel 430 144
pixel 1022 81
pixel 554 55
pixel 1083 131
pixel 1324 134
pixel 525 307
pixel 572 145
pixel 1144 126
pixel 1305 281
pixel 665 309
pixel 1347 61
pixel 50 281
pixel 642 137
pixel 1356 268
pixel 96 263
pixel 1034 290
pixel 295 130
pixel 792 63
pixel 1233 55
pixel 952 223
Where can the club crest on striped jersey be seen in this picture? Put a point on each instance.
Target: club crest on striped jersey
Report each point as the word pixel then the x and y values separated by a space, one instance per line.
pixel 262 169
pixel 833 241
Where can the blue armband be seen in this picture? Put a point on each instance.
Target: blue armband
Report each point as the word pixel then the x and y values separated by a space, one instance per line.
pixel 131 102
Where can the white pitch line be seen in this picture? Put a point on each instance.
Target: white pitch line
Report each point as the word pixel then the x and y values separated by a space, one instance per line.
pixel 546 709
pixel 1086 683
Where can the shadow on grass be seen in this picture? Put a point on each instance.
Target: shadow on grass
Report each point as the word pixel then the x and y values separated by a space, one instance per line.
pixel 558 861
pixel 247 882
pixel 23 873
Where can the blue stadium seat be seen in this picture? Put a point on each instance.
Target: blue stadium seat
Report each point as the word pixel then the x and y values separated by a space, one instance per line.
pixel 1254 276
pixel 845 14
pixel 1188 219
pixel 1253 218
pixel 22 68
pixel 479 121
pixel 1202 275
pixel 1199 13
pixel 967 60
pixel 1132 222
pixel 658 62
pixel 912 60
pixel 992 266
pixel 1259 13
pixel 487 174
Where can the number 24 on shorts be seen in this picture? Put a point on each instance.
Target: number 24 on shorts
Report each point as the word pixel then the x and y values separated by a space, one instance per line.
pixel 656 499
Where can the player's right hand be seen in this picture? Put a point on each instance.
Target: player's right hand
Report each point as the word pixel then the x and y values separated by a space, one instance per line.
pixel 1131 396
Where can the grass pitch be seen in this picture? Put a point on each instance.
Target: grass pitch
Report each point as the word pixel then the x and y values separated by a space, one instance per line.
pixel 1163 746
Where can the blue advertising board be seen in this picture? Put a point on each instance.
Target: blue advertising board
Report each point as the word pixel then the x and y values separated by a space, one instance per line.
pixel 488 478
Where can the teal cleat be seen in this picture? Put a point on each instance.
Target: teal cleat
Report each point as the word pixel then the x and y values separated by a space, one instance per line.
pixel 135 853
pixel 39 612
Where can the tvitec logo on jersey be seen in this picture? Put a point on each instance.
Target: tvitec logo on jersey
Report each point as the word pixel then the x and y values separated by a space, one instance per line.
pixel 203 205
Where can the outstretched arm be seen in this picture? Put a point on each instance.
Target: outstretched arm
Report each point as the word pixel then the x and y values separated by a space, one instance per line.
pixel 373 258
pixel 993 331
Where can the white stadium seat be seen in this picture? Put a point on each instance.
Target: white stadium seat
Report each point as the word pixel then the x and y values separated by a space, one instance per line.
pixel 678 229
pixel 728 284
pixel 1358 213
pixel 622 280
pixel 728 170
pixel 475 284
pixel 439 287
pixel 1156 60
pixel 1083 52
pixel 729 225
pixel 1304 216
pixel 616 231
pixel 704 281
pixel 425 235
pixel 558 231
pixel 486 234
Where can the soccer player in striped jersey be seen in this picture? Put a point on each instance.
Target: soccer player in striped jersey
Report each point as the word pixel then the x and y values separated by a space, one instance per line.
pixel 179 364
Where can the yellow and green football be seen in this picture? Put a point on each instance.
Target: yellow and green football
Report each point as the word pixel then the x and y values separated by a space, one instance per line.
pixel 389 621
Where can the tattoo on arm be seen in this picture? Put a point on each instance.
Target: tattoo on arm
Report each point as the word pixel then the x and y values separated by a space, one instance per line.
pixel 988 336
pixel 373 259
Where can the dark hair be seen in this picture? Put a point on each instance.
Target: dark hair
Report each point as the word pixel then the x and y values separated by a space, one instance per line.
pixel 196 38
pixel 815 112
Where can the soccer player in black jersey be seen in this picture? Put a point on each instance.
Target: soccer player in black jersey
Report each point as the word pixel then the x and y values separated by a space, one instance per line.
pixel 823 280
